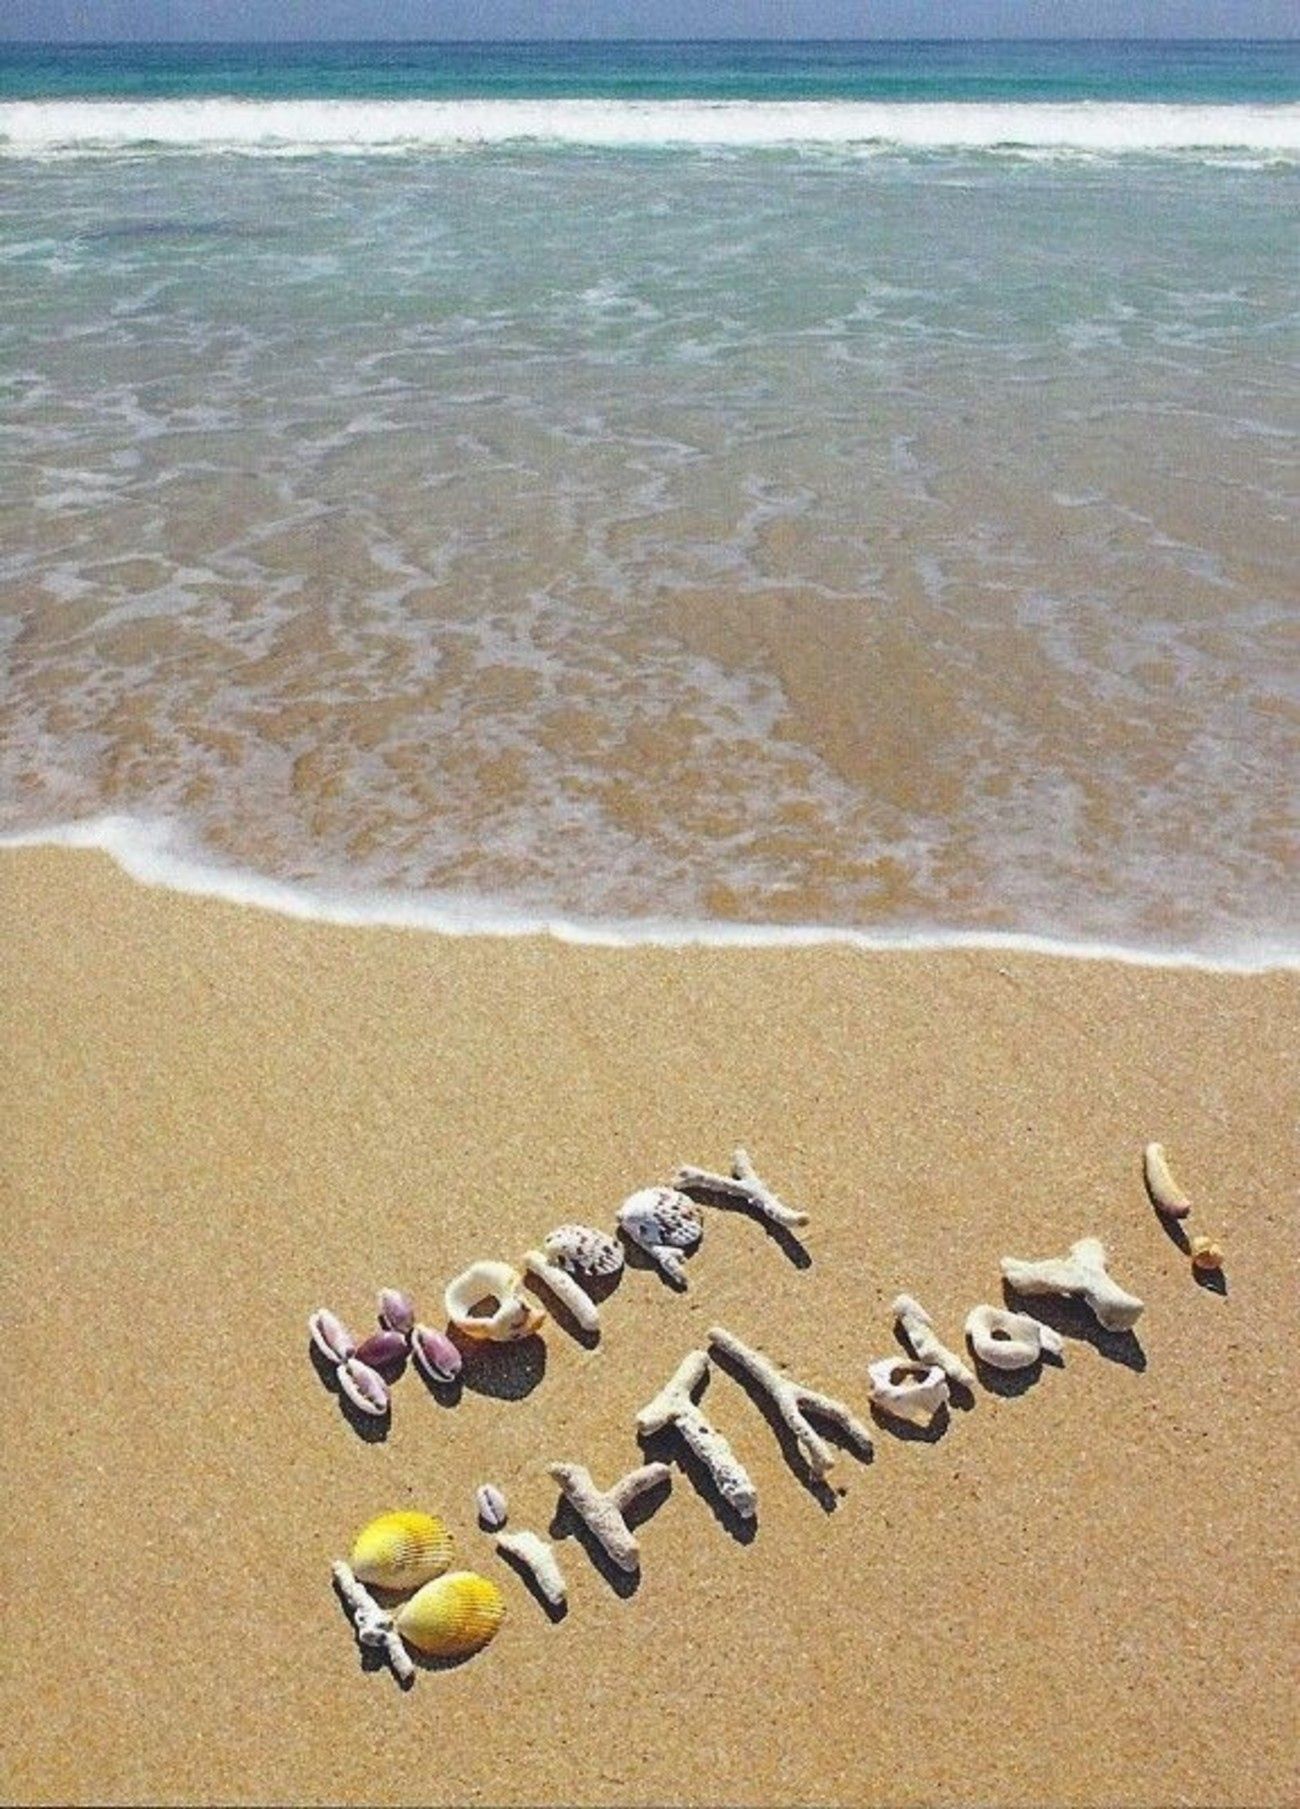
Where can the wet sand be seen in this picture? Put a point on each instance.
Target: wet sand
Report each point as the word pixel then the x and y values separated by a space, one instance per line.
pixel 216 1119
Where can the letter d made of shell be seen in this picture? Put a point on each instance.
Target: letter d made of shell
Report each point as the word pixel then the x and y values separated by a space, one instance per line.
pixel 453 1616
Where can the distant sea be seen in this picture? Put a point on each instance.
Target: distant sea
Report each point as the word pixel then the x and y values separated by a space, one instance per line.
pixel 779 488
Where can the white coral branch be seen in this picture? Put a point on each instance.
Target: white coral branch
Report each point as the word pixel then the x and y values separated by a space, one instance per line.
pixel 602 1510
pixel 1082 1272
pixel 674 1406
pixel 373 1625
pixel 924 1342
pixel 790 1399
pixel 743 1185
pixel 540 1559
pixel 582 1308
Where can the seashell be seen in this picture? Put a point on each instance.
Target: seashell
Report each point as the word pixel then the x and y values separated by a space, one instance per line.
pixel 364 1387
pixel 492 1509
pixel 396 1311
pixel 1207 1254
pixel 908 1391
pixel 435 1354
pixel 330 1336
pixel 582 1250
pixel 382 1350
pixel 452 1616
pixel 401 1550
pixel 1165 1192
pixel 509 1315
pixel 662 1222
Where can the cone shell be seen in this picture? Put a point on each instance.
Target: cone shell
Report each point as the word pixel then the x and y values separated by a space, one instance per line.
pixel 401 1550
pixel 382 1350
pixel 435 1353
pixel 396 1310
pixel 583 1250
pixel 452 1616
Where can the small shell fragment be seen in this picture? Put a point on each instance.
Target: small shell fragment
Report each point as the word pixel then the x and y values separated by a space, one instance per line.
pixel 396 1311
pixel 382 1350
pixel 1168 1196
pixel 364 1387
pixel 330 1336
pixel 401 1550
pixel 583 1250
pixel 492 1509
pixel 452 1616
pixel 1207 1254
pixel 435 1354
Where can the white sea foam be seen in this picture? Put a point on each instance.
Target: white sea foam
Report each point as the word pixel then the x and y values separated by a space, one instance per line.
pixel 302 127
pixel 154 853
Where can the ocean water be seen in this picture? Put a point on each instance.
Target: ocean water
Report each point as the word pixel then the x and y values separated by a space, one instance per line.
pixel 778 488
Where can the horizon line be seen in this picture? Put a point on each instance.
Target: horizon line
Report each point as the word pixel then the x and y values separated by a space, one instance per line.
pixel 600 38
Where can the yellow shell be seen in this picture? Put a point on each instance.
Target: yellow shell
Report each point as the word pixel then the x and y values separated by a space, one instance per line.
pixel 452 1617
pixel 1207 1254
pixel 401 1550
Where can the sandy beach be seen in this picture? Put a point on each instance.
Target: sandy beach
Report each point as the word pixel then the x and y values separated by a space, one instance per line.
pixel 218 1119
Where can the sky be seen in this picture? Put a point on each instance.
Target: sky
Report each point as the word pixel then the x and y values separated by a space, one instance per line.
pixel 108 20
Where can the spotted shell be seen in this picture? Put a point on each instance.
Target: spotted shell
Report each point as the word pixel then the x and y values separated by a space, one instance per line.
pixel 582 1250
pixel 382 1351
pixel 452 1616
pixel 660 1215
pixel 435 1353
pixel 401 1550
pixel 330 1336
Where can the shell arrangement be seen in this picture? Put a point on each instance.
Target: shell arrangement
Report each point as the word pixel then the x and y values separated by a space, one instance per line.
pixel 452 1614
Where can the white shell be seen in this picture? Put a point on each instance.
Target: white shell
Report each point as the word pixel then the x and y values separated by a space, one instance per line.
pixel 662 1222
pixel 492 1509
pixel 583 1250
pixel 908 1391
pixel 513 1317
pixel 1006 1340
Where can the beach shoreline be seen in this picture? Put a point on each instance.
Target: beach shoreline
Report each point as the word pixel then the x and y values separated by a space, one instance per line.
pixel 221 1118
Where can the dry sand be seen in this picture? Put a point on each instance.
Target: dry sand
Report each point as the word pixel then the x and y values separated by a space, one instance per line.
pixel 217 1119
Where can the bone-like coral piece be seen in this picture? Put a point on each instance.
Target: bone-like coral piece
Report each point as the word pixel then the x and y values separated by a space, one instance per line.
pixel 1007 1340
pixel 1161 1185
pixel 909 1391
pixel 673 1406
pixel 742 1184
pixel 373 1624
pixel 918 1329
pixel 1082 1272
pixel 540 1560
pixel 565 1289
pixel 790 1398
pixel 603 1510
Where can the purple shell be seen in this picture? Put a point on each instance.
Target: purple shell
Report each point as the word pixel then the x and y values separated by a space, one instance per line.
pixel 330 1336
pixel 382 1350
pixel 364 1387
pixel 435 1353
pixel 396 1310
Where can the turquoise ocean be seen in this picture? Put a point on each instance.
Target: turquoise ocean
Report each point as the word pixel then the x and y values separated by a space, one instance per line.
pixel 752 490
